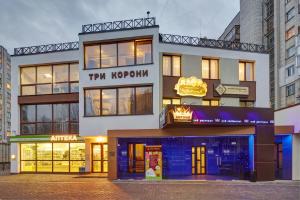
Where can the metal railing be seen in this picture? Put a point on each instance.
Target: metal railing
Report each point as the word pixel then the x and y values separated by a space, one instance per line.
pixel 210 43
pixel 4 158
pixel 48 48
pixel 119 25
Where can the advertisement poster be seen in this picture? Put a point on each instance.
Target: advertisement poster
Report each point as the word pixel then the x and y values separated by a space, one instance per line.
pixel 153 162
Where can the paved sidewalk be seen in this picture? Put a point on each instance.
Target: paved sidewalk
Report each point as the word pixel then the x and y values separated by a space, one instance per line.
pixel 52 186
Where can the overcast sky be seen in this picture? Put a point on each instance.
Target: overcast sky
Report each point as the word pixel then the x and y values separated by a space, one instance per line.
pixel 35 22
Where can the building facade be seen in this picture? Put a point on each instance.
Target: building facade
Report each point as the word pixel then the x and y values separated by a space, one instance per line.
pixel 5 95
pixel 134 103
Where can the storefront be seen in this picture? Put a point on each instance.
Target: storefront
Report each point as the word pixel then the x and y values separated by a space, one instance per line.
pixel 199 142
pixel 60 154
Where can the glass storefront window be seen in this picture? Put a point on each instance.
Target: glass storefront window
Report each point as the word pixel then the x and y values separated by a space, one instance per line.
pixel 61 118
pixel 74 72
pixel 77 151
pixel 60 88
pixel 74 87
pixel 37 157
pixel 44 89
pixel 44 113
pixel 99 158
pixel 108 55
pixel 28 90
pixel 109 102
pixel 28 113
pixel 92 57
pixel 60 151
pixel 125 53
pixel 28 151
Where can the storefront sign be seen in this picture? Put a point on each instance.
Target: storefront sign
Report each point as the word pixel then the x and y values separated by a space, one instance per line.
pixel 119 75
pixel 191 87
pixel 63 138
pixel 232 90
pixel 182 114
pixel 153 162
pixel 46 138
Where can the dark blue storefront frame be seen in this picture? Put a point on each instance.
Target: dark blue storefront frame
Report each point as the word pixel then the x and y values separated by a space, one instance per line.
pixel 226 156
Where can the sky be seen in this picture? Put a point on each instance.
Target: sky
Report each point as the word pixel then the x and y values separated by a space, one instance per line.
pixel 36 22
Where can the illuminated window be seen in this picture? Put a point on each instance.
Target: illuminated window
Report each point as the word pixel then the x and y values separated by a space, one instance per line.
pixel 99 158
pixel 210 102
pixel 246 71
pixel 246 104
pixel 210 69
pixel 171 65
pixel 28 157
pixel 171 102
pixel 49 79
pixel 290 33
pixel 119 53
pixel 130 100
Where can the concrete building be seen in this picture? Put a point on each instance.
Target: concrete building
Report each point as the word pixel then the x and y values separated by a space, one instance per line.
pixel 5 95
pixel 135 103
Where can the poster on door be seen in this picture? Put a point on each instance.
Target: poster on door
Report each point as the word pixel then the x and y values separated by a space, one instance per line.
pixel 153 168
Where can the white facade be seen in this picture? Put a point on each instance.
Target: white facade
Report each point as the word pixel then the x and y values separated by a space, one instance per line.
pixel 291 117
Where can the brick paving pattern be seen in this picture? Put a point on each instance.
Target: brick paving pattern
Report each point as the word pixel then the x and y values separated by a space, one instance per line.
pixel 62 187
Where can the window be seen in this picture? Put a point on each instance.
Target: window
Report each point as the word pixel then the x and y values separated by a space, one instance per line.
pixel 99 158
pixel 290 71
pixel 52 157
pixel 210 102
pixel 287 1
pixel 290 14
pixel 167 101
pixel 171 65
pixel 50 79
pixel 290 90
pixel 119 101
pixel 123 53
pixel 92 57
pixel 44 119
pixel 246 71
pixel 290 52
pixel 290 33
pixel 246 104
pixel 210 69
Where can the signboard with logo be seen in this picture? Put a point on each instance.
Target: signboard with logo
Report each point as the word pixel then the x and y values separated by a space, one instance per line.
pixel 182 114
pixel 232 90
pixel 153 167
pixel 191 86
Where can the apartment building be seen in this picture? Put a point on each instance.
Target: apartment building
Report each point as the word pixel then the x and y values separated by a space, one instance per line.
pixel 132 102
pixel 5 95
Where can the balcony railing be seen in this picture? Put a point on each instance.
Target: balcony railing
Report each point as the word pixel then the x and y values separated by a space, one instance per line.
pixel 210 43
pixel 48 48
pixel 119 25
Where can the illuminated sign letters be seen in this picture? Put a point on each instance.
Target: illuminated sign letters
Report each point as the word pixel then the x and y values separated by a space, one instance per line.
pixel 63 138
pixel 182 114
pixel 191 87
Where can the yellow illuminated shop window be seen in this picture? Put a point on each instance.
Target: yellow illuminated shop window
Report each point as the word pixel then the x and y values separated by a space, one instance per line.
pixel 44 157
pixel 77 156
pixel 100 157
pixel 28 157
pixel 61 153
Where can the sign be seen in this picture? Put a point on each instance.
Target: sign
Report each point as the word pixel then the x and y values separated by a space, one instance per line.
pixel 153 167
pixel 232 90
pixel 191 87
pixel 119 74
pixel 63 138
pixel 182 114
pixel 45 138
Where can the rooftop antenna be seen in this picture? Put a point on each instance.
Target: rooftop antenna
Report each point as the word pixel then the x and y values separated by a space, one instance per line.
pixel 148 14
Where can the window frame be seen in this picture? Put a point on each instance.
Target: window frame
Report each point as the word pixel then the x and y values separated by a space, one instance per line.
pixel 171 99
pixel 209 68
pixel 245 70
pixel 172 66
pixel 52 122
pixel 36 84
pixel 287 14
pixel 287 31
pixel 136 40
pixel 210 102
pixel 288 89
pixel 117 100
pixel 288 49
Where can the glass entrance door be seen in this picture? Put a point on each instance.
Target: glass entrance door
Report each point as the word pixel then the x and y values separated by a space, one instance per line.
pixel 100 159
pixel 136 158
pixel 199 160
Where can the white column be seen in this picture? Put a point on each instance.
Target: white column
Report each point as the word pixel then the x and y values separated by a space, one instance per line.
pixel 296 157
pixel 15 163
